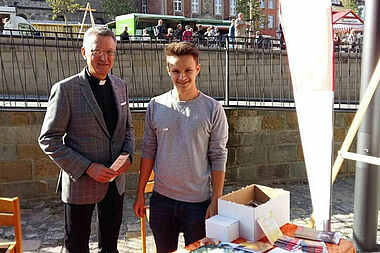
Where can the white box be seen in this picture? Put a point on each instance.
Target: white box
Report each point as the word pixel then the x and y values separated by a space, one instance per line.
pixel 233 205
pixel 222 228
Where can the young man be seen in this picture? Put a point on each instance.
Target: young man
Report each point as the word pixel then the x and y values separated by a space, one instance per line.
pixel 184 142
pixel 87 127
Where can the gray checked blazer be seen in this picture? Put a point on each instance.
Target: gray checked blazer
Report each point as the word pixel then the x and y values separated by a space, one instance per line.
pixel 74 135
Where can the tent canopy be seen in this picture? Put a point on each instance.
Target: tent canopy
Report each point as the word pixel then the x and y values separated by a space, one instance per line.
pixel 346 20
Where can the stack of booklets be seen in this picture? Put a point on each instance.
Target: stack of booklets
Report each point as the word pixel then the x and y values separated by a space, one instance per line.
pixel 316 235
pixel 313 246
pixel 288 243
pixel 275 236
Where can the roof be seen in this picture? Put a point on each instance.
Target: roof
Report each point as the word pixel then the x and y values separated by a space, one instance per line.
pixel 210 21
pixel 143 15
pixel 170 17
pixel 347 28
pixel 346 17
pixel 7 9
pixel 55 22
pixel 206 25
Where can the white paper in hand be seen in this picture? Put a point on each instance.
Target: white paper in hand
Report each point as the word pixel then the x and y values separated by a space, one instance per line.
pixel 119 162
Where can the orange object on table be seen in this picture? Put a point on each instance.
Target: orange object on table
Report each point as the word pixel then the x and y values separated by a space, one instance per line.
pixel 288 229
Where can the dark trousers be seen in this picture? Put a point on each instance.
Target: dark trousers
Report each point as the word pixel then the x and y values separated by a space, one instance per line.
pixel 78 223
pixel 169 217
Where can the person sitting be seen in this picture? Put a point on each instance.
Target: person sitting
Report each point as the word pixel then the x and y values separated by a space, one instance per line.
pixel 145 36
pixel 170 35
pixel 8 26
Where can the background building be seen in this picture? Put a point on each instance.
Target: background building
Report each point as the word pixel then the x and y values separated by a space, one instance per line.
pixel 217 9
pixel 40 10
pixel 270 11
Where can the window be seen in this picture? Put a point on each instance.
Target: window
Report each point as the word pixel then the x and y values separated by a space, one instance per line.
pixel 262 23
pixel 262 4
pixel 232 7
pixel 270 21
pixel 143 4
pixel 195 6
pixel 218 7
pixel 177 5
pixel 270 4
pixel 335 1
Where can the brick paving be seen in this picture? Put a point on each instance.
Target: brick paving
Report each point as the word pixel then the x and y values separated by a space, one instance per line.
pixel 42 221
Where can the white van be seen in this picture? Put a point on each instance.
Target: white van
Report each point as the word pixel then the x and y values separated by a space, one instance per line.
pixel 15 22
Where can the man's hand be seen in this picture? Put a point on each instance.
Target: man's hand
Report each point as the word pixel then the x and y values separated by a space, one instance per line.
pixel 124 168
pixel 100 173
pixel 138 206
pixel 212 209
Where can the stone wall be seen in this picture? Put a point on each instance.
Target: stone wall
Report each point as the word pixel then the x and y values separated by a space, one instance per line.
pixel 264 146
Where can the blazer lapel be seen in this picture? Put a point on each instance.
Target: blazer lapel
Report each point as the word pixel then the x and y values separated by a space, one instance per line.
pixel 117 102
pixel 91 101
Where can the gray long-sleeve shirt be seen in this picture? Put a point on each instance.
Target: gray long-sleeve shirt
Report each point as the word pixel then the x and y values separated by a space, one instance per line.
pixel 187 140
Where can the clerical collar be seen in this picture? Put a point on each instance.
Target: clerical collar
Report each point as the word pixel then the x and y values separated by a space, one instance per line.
pixel 95 80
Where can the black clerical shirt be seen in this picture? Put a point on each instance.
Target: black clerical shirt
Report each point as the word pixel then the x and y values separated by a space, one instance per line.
pixel 106 101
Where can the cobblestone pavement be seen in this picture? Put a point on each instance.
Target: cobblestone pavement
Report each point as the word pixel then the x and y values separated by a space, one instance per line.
pixel 43 228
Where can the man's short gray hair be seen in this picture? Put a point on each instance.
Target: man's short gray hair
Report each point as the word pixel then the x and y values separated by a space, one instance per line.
pixel 97 31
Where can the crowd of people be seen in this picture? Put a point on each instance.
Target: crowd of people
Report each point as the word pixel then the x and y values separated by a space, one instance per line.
pixel 344 41
pixel 199 34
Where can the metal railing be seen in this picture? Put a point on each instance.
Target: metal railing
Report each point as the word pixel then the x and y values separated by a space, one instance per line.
pixel 238 72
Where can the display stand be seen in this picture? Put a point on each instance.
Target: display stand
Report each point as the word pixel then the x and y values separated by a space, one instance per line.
pixel 363 106
pixel 358 118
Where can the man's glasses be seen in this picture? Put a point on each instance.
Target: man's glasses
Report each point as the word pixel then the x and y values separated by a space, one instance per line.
pixel 98 52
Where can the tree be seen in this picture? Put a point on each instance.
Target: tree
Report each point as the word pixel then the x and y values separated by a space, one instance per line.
pixel 63 6
pixel 115 8
pixel 252 12
pixel 351 5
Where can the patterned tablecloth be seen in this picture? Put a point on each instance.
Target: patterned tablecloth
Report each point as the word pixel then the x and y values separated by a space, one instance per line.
pixel 288 229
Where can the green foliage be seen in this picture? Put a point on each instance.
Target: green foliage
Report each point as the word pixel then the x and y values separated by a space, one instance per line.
pixel 63 6
pixel 242 6
pixel 115 8
pixel 252 12
pixel 350 4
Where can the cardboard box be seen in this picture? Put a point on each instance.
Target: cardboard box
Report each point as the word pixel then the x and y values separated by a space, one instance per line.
pixel 222 228
pixel 234 205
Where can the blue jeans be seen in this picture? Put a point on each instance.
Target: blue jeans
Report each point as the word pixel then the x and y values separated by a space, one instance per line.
pixel 169 217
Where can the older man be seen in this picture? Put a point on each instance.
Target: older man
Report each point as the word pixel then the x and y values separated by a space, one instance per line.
pixel 240 29
pixel 87 128
pixel 159 30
